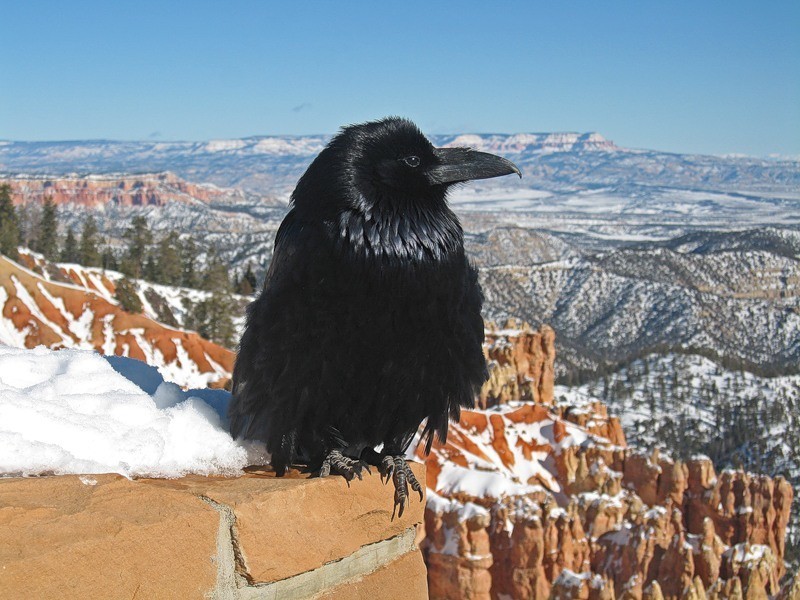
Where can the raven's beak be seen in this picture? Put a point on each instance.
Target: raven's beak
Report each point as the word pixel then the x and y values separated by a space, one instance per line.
pixel 462 164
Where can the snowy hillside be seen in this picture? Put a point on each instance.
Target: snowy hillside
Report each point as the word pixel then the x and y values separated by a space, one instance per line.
pixel 163 303
pixel 82 313
pixel 694 405
pixel 242 234
pixel 508 451
pixel 733 295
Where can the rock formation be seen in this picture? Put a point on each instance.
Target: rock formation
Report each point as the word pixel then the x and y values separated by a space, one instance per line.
pixel 534 498
pixel 521 365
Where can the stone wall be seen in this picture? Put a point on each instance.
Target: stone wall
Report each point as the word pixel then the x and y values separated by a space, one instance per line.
pixel 256 536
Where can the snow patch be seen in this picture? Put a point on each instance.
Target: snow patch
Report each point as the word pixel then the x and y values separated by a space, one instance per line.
pixel 74 411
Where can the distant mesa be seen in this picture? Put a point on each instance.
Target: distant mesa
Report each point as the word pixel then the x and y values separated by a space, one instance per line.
pixel 272 164
pixel 506 143
pixel 534 142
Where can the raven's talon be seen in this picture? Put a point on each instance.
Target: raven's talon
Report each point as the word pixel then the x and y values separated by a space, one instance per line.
pixel 386 468
pixel 345 466
pixel 412 480
pixel 400 491
pixel 396 468
pixel 325 469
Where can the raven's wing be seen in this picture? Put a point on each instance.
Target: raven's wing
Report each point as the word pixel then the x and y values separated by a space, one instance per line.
pixel 260 407
pixel 464 337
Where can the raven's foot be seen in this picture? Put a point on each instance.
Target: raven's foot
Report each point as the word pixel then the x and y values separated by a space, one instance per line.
pixel 343 465
pixel 402 476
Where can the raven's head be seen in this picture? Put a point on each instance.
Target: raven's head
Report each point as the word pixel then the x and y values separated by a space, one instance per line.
pixel 389 163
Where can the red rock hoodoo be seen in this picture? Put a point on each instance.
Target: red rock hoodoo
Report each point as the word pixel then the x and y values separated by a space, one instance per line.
pixel 533 497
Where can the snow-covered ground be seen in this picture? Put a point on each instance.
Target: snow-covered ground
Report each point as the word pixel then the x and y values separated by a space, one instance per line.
pixel 74 411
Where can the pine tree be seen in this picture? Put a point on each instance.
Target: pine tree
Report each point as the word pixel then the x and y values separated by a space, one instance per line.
pixel 244 287
pixel 28 216
pixel 89 252
pixel 189 254
pixel 150 272
pixel 169 269
pixel 70 252
pixel 139 238
pixel 215 276
pixel 127 297
pixel 47 240
pixel 108 258
pixel 247 285
pixel 9 224
pixel 212 317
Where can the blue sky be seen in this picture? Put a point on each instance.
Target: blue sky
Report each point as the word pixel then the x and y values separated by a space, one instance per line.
pixel 713 77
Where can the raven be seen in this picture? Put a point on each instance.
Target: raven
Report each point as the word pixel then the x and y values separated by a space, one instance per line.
pixel 369 321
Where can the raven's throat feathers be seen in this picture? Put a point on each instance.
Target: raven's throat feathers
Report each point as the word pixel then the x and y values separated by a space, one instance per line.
pixel 411 235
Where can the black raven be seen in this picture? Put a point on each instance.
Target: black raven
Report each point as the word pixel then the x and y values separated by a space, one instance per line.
pixel 369 321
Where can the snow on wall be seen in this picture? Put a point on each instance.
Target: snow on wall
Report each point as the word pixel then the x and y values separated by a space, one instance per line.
pixel 74 411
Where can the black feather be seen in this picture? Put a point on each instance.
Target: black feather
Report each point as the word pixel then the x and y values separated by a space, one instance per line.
pixel 369 320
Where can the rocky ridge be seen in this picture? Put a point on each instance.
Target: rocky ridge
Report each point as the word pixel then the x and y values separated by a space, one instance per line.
pixel 694 405
pixel 733 295
pixel 535 498
pixel 557 160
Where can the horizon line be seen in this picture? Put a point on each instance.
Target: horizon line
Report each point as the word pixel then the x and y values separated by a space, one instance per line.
pixel 768 156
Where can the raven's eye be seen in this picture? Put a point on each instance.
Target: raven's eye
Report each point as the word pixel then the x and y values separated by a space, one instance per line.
pixel 411 161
